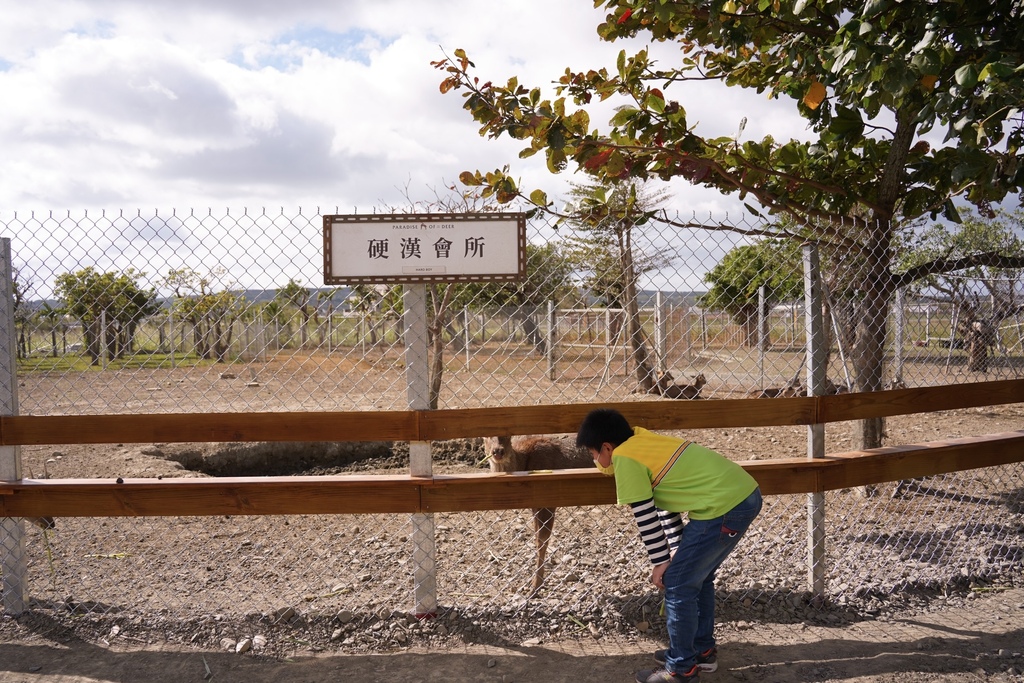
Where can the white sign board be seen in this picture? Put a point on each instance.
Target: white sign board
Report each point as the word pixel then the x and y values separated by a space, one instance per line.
pixel 385 248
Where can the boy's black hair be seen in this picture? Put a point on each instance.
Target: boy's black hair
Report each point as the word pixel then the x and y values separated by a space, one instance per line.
pixel 602 426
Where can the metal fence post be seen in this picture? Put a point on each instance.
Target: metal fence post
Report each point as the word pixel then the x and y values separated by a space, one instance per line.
pixel 104 355
pixel 762 340
pixel 467 335
pixel 661 331
pixel 417 375
pixel 609 352
pixel 952 335
pixel 12 534
pixel 898 333
pixel 816 432
pixel 552 338
pixel 703 330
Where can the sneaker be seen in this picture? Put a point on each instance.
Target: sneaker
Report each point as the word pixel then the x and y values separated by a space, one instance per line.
pixel 707 660
pixel 663 676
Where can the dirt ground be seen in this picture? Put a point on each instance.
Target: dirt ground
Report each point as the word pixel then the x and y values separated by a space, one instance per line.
pixel 983 642
pixel 977 639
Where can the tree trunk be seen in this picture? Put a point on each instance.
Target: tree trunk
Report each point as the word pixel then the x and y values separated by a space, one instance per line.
pixel 92 340
pixel 436 331
pixel 747 319
pixel 199 338
pixel 641 357
pixel 868 349
pixel 220 351
pixel 980 335
pixel 868 357
pixel 456 334
pixel 531 330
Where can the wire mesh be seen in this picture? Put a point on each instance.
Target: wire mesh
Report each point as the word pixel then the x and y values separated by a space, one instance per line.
pixel 324 579
pixel 169 304
pixel 196 312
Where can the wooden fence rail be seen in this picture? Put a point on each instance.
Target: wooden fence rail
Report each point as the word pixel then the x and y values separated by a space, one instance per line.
pixel 466 492
pixel 436 425
pixel 408 494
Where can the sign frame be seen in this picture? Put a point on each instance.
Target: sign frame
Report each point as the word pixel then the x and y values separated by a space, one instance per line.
pixel 334 226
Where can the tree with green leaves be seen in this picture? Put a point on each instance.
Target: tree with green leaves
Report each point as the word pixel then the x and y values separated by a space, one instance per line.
pixel 445 298
pixel 110 307
pixel 442 297
pixel 736 283
pixel 376 303
pixel 878 82
pixel 984 293
pixel 300 298
pixel 269 315
pixel 20 287
pixel 52 319
pixel 212 314
pixel 325 296
pixel 609 216
pixel 549 273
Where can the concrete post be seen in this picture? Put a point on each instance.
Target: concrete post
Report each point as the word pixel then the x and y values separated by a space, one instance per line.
pixel 417 373
pixel 13 564
pixel 815 433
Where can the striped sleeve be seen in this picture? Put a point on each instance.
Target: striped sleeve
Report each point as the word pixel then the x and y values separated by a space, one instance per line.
pixel 672 523
pixel 651 532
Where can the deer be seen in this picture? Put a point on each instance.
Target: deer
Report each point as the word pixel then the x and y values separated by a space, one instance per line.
pixel 44 523
pixel 791 390
pixel 664 386
pixel 525 453
pixel 795 389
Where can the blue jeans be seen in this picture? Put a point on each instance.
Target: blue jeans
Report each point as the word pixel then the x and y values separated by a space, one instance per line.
pixel 690 581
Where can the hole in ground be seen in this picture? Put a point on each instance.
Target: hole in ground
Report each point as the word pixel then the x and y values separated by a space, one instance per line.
pixel 291 458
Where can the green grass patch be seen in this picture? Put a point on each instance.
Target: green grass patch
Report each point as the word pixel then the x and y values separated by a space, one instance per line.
pixel 144 360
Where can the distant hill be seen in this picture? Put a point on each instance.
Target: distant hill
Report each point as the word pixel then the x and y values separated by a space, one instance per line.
pixel 260 296
pixel 645 298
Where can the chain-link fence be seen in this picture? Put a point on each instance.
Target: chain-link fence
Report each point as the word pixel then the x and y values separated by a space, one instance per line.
pixel 218 312
pixel 149 298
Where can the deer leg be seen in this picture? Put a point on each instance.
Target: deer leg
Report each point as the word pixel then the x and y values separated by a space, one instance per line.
pixel 42 522
pixel 543 523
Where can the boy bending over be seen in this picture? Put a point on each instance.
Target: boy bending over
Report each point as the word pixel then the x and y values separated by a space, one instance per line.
pixel 659 477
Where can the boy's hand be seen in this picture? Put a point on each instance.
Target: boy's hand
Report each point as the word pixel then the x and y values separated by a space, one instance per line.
pixel 658 573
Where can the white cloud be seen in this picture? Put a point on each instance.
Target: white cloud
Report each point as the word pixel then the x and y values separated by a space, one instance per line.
pixel 192 103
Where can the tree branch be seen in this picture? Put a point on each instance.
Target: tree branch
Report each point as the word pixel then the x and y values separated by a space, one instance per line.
pixel 991 259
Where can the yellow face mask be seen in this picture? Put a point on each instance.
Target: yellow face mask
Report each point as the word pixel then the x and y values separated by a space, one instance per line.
pixel 599 454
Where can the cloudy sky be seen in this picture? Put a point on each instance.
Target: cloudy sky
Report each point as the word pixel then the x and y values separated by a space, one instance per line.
pixel 259 103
